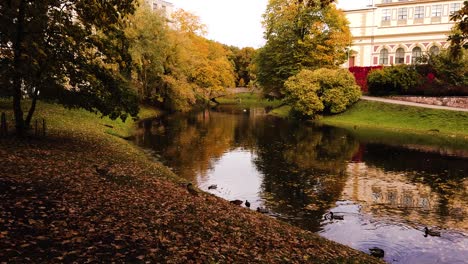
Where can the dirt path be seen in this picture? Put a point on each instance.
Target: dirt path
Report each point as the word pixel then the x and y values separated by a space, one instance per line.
pixel 390 101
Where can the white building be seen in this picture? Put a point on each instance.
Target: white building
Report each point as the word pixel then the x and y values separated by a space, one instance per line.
pixel 399 31
pixel 166 7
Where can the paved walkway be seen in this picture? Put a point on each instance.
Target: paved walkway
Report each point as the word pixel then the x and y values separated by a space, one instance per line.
pixel 390 101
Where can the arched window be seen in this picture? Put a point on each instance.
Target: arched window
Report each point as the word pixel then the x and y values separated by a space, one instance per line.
pixel 416 54
pixel 434 50
pixel 400 56
pixel 383 59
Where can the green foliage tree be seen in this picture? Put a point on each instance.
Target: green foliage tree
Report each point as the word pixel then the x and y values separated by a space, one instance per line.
pixel 148 35
pixel 71 51
pixel 323 91
pixel 242 60
pixel 459 36
pixel 300 35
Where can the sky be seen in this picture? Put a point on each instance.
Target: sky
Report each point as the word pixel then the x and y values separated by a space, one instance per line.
pixel 238 22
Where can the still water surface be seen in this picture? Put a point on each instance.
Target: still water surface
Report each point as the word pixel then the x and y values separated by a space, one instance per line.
pixel 387 192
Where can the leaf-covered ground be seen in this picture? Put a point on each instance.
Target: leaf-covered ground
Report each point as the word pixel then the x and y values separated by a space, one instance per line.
pixel 55 206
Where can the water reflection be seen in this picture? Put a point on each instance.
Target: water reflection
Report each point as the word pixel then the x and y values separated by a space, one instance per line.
pixel 386 192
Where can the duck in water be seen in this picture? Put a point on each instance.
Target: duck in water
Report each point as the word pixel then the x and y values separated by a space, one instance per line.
pixel 333 216
pixel 428 232
pixel 377 252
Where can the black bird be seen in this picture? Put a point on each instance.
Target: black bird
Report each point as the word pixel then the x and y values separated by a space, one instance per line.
pixel 334 216
pixel 377 252
pixel 247 203
pixel 103 171
pixel 191 189
pixel 429 232
pixel 212 186
pixel 236 202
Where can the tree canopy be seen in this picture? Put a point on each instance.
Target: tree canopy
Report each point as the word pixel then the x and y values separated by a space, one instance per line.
pixel 459 36
pixel 175 66
pixel 70 51
pixel 300 35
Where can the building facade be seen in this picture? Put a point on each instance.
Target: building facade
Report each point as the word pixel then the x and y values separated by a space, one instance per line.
pixel 166 7
pixel 390 32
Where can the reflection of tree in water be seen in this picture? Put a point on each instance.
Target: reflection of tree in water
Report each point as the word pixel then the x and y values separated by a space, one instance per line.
pixel 189 144
pixel 304 169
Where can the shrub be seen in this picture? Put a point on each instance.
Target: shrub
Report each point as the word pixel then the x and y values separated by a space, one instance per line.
pixel 444 75
pixel 393 80
pixel 323 91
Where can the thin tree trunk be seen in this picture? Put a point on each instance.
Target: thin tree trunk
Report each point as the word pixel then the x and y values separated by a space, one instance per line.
pixel 18 50
pixel 32 108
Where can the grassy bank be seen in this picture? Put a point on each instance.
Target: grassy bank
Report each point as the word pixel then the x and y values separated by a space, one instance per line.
pixel 403 118
pixel 85 194
pixel 247 100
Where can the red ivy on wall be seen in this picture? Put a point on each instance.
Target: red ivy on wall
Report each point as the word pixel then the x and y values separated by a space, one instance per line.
pixel 360 74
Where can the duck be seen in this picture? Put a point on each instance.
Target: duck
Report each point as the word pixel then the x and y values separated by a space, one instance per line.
pixel 262 210
pixel 191 189
pixel 247 203
pixel 377 252
pixel 236 202
pixel 333 216
pixel 103 171
pixel 429 232
pixel 212 187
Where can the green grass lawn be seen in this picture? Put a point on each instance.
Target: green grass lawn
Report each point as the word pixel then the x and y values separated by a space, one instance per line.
pixel 81 121
pixel 248 100
pixel 402 118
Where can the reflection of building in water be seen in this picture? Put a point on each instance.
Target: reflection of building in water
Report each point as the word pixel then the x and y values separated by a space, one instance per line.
pixel 391 194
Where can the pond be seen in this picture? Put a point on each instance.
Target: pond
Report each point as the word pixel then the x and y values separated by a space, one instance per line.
pixel 387 189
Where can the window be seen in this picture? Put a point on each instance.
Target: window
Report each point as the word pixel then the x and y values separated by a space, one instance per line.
pixel 416 54
pixel 454 7
pixel 402 13
pixel 383 59
pixel 400 56
pixel 434 50
pixel 419 12
pixel 437 10
pixel 386 14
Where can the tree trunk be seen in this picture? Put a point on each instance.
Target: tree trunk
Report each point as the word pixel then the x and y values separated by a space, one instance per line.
pixel 18 51
pixel 32 108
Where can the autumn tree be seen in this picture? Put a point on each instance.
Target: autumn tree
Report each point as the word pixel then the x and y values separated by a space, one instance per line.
pixel 70 51
pixel 175 66
pixel 203 63
pixel 300 35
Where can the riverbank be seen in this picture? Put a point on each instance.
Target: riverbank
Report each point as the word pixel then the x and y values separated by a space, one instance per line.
pixel 401 118
pixel 83 193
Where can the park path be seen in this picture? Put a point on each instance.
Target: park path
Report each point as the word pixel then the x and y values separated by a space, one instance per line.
pixel 391 101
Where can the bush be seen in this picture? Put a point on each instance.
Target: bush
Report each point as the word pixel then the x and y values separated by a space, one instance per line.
pixel 393 80
pixel 444 75
pixel 323 91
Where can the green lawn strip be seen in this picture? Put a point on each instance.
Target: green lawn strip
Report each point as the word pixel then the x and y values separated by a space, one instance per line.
pixel 403 119
pixel 138 212
pixel 248 100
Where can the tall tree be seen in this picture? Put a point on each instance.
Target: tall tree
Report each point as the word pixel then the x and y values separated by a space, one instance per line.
pixel 71 51
pixel 300 35
pixel 148 34
pixel 459 36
